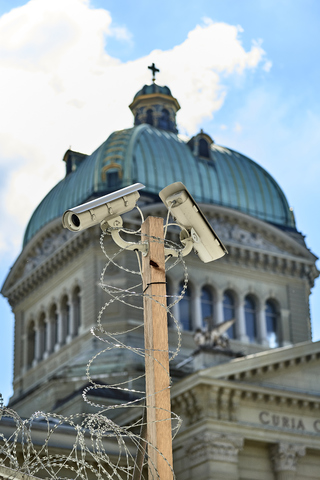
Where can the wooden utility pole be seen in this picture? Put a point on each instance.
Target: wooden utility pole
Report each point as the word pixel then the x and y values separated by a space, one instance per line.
pixel 156 352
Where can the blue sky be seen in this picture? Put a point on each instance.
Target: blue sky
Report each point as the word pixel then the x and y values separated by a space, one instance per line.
pixel 247 72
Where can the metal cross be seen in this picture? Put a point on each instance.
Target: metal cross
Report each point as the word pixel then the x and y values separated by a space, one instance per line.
pixel 154 70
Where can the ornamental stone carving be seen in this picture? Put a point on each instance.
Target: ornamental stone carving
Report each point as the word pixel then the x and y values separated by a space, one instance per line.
pixel 48 246
pixel 234 233
pixel 284 458
pixel 214 446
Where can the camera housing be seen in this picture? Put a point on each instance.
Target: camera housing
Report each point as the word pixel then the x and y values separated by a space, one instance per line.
pixel 104 208
pixel 188 215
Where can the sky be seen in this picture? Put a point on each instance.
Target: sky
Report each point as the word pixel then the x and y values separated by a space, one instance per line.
pixel 246 71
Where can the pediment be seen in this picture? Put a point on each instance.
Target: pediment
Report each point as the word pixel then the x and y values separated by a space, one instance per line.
pixel 293 369
pixel 236 234
pixel 42 247
pixel 296 376
pixel 238 228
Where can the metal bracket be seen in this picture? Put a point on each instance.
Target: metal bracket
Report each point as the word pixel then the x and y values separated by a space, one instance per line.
pixel 188 245
pixel 115 225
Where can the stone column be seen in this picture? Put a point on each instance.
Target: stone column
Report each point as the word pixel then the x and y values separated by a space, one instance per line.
pixel 284 458
pixel 196 311
pixel 25 352
pixel 49 333
pixel 218 316
pixel 59 324
pixel 262 325
pixel 214 456
pixel 284 327
pixel 240 322
pixel 37 343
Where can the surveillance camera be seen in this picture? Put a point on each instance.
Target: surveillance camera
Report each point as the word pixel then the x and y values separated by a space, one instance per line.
pixel 187 213
pixel 103 208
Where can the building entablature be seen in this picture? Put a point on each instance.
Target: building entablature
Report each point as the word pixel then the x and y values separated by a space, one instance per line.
pixel 258 413
pixel 239 229
pixel 221 399
pixel 41 261
pixel 251 243
pixel 261 363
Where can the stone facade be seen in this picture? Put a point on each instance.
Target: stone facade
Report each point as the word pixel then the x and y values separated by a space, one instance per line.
pixel 249 412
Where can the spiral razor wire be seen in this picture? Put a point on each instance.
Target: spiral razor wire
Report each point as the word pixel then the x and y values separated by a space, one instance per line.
pixel 96 446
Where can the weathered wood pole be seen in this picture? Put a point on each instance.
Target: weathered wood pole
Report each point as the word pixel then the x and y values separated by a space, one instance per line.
pixel 156 352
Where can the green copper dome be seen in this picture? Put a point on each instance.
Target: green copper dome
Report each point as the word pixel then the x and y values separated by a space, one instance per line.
pixel 156 158
pixel 153 88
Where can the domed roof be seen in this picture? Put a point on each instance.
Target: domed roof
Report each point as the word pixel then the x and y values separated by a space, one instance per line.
pixel 156 158
pixel 153 88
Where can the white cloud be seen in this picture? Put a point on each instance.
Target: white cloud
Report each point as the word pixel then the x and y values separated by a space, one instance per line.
pixel 237 128
pixel 59 87
pixel 267 66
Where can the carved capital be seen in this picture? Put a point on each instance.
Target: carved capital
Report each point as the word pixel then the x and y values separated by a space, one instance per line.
pixel 197 403
pixel 214 446
pixel 284 456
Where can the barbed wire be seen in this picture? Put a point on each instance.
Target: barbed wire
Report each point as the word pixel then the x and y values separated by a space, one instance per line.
pixel 30 445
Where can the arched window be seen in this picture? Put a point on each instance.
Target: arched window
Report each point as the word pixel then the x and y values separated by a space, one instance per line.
pixel 65 324
pixel 229 312
pixel 207 308
pixel 42 334
pixel 250 314
pixel 31 347
pixel 76 310
pixel 149 118
pixel 203 148
pixel 54 319
pixel 185 309
pixel 164 120
pixel 272 327
pixel 113 178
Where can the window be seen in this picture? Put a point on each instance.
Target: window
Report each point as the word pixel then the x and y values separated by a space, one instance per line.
pixel 76 310
pixel 31 347
pixel 185 309
pixel 203 148
pixel 229 312
pixel 65 324
pixel 149 118
pixel 113 178
pixel 272 327
pixel 207 308
pixel 164 120
pixel 250 314
pixel 42 334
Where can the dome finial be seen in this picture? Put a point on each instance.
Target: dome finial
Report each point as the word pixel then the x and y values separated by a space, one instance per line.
pixel 154 70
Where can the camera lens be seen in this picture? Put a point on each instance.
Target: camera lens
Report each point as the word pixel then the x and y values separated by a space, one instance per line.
pixel 75 220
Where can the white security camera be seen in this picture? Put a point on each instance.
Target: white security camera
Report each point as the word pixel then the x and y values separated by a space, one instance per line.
pixel 103 208
pixel 187 213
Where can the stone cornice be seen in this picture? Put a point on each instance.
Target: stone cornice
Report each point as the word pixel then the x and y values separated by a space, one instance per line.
pixel 255 244
pixel 272 234
pixel 220 399
pixel 274 263
pixel 265 362
pixel 17 287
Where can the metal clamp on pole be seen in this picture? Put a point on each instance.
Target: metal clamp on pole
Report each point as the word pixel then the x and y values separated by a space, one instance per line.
pixel 114 226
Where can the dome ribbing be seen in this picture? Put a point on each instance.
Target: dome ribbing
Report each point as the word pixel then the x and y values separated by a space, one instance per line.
pixel 157 158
